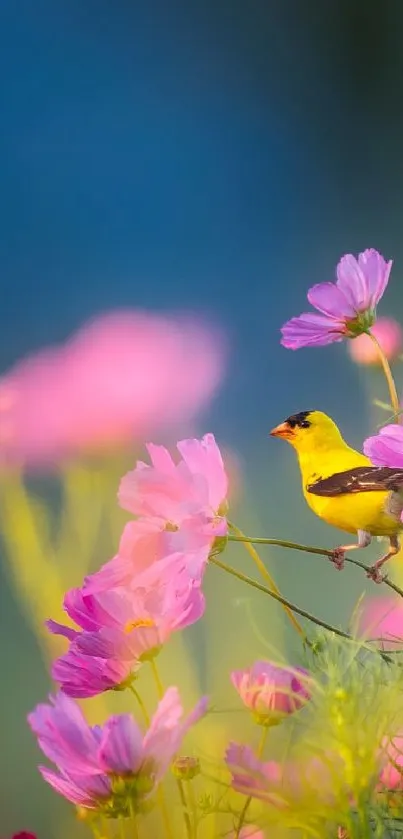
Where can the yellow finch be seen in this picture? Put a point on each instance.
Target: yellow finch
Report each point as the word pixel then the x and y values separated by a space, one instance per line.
pixel 342 487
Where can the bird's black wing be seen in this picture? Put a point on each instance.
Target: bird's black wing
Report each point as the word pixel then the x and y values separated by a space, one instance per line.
pixel 360 479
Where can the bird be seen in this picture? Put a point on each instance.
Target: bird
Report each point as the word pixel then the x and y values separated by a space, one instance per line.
pixel 342 486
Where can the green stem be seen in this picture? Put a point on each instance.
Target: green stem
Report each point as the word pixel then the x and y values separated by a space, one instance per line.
pixel 158 682
pixel 188 826
pixel 141 704
pixel 242 817
pixel 95 830
pixel 394 399
pixel 295 546
pixel 266 576
pixel 160 794
pixel 279 598
pixel 164 813
pixel 193 807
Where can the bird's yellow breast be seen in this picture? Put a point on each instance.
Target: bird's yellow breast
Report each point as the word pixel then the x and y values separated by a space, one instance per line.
pixel 352 511
pixel 357 511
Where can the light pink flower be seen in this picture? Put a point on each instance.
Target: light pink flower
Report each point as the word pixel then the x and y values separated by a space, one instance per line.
pixel 390 336
pixel 181 507
pixel 172 493
pixel 382 617
pixel 271 691
pixel 250 831
pixel 122 376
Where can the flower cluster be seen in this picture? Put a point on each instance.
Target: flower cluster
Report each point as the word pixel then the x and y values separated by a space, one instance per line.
pixel 153 587
pixel 347 700
pixel 123 615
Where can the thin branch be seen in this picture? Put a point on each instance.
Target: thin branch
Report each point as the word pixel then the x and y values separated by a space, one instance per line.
pixel 282 600
pixel 282 543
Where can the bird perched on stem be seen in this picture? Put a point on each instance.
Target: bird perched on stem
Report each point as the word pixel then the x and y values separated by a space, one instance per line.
pixel 342 486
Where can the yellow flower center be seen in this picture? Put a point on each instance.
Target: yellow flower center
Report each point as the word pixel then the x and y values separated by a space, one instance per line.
pixel 141 622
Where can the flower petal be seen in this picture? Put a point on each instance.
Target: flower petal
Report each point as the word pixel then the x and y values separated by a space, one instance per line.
pixel 352 281
pixel 64 735
pixel 311 330
pixel 329 299
pixel 60 629
pixel 376 271
pixel 82 676
pixel 386 448
pixel 66 788
pixel 121 748
pixel 203 457
pixel 166 730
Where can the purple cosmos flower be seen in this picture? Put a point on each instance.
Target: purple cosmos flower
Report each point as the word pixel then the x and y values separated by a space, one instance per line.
pixel 270 691
pixel 112 768
pixel 386 448
pixel 121 628
pixel 347 308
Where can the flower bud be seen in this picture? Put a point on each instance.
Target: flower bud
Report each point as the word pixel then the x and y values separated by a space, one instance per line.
pixel 270 691
pixel 185 768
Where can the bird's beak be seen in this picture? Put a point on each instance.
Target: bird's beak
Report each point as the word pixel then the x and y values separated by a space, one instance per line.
pixel 283 430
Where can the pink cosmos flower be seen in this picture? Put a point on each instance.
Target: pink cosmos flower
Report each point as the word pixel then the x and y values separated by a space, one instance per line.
pixel 382 617
pixel 172 493
pixel 270 691
pixel 181 509
pixel 389 334
pixel 124 375
pixel 89 759
pixel 120 628
pixel 386 447
pixel 347 308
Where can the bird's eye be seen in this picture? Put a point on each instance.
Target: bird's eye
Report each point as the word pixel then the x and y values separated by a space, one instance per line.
pixel 304 424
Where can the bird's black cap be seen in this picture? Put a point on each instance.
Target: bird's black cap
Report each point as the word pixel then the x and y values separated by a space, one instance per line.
pixel 300 420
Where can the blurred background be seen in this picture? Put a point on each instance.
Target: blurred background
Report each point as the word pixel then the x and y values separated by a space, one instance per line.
pixel 191 168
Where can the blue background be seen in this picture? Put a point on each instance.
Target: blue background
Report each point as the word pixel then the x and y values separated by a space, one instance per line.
pixel 213 156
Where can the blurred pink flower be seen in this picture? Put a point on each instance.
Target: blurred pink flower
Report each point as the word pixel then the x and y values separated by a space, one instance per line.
pixel 270 691
pixel 382 617
pixel 390 336
pixel 249 832
pixel 23 835
pixel 122 376
pixel 391 776
pixel 279 784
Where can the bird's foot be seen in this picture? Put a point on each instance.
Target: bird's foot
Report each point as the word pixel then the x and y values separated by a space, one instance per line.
pixel 337 558
pixel 374 574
